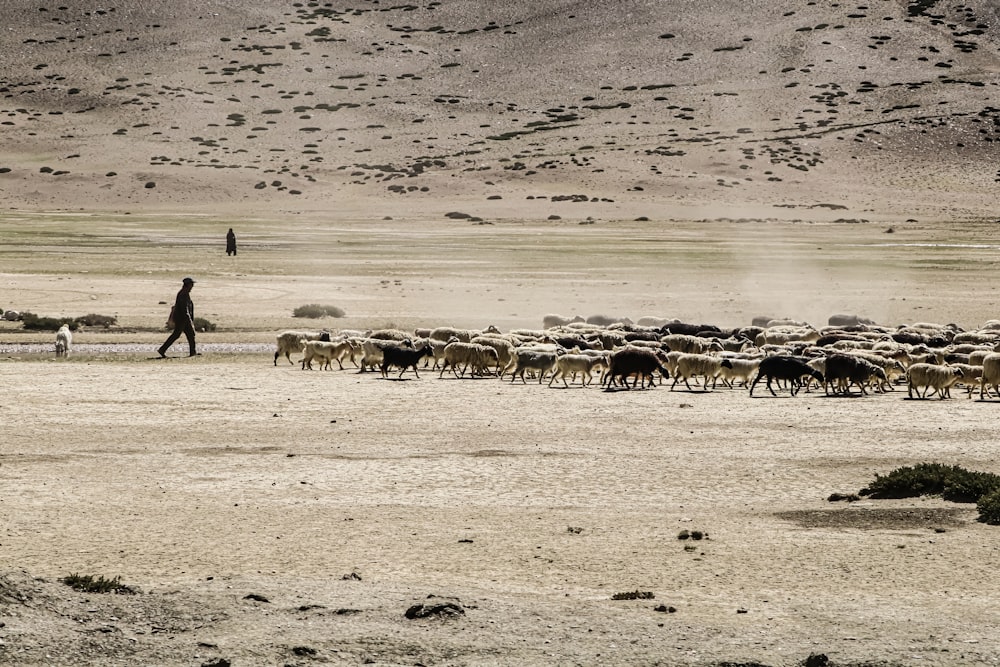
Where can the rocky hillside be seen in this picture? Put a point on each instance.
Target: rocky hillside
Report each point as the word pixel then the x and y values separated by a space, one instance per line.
pixel 732 108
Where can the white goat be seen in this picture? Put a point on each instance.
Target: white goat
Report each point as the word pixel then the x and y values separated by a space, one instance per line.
pixel 64 339
pixel 291 341
pixel 582 364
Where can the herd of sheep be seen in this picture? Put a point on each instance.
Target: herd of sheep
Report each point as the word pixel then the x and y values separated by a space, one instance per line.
pixel 849 353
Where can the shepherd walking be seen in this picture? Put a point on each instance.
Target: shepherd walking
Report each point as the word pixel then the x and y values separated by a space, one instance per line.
pixel 183 317
pixel 230 242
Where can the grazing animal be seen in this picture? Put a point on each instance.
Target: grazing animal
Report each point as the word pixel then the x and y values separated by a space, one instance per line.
pixel 690 344
pixel 991 375
pixel 932 376
pixel 373 351
pixel 742 370
pixel 326 351
pixel 691 365
pixel 503 346
pixel 573 364
pixel 787 368
pixel 404 358
pixel 291 341
pixel 634 361
pixel 844 370
pixel 64 339
pixel 538 360
pixel 472 356
pixel 463 335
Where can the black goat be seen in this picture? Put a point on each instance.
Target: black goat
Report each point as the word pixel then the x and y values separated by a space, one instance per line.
pixel 404 357
pixel 780 367
pixel 843 370
pixel 636 361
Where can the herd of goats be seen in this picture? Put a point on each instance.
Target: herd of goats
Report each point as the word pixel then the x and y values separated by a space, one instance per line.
pixel 851 352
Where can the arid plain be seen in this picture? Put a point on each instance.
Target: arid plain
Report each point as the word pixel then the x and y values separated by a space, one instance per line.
pixel 454 164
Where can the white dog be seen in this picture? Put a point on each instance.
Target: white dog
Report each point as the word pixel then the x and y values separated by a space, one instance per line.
pixel 64 338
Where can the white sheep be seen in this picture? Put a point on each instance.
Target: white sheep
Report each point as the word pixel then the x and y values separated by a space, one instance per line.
pixel 690 344
pixel 503 346
pixel 472 356
pixel 780 335
pixel 692 365
pixel 932 376
pixel 291 341
pixel 972 377
pixel 582 364
pixel 64 339
pixel 991 375
pixel 739 370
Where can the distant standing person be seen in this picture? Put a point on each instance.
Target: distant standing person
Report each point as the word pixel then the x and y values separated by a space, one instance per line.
pixel 183 314
pixel 230 242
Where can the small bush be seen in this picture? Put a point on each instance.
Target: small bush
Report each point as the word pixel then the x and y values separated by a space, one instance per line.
pixel 201 324
pixel 88 584
pixel 931 479
pixel 34 322
pixel 633 595
pixel 315 311
pixel 989 508
pixel 95 320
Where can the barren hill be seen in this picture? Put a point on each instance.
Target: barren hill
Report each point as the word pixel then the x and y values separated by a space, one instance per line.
pixel 850 110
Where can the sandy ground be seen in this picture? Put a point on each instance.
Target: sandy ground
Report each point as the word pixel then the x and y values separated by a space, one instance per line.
pixel 345 499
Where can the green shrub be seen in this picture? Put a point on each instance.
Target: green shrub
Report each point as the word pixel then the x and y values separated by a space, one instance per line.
pixel 933 479
pixel 989 508
pixel 37 323
pixel 95 320
pixel 315 311
pixel 201 324
pixel 969 486
pixel 88 584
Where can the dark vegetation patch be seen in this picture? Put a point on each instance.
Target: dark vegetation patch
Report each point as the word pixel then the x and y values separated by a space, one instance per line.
pixel 933 479
pixel 633 595
pixel 90 584
pixel 949 482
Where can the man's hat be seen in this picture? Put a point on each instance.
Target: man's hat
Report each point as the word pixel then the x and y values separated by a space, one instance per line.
pixel 189 279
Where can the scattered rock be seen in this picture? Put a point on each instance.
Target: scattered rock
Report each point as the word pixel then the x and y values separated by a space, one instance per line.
pixel 443 609
pixel 255 597
pixel 816 660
